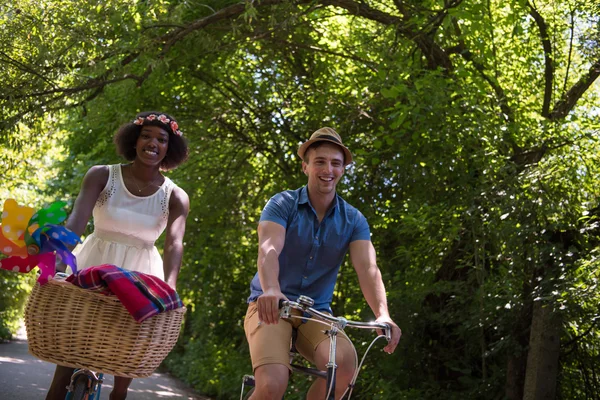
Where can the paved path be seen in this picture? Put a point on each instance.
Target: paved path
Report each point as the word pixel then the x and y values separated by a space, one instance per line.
pixel 24 377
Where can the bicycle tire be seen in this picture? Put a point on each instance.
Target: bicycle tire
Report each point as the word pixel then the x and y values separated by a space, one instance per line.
pixel 80 388
pixel 247 395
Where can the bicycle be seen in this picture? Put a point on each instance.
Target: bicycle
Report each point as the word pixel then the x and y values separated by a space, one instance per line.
pixel 336 325
pixel 85 384
pixel 87 329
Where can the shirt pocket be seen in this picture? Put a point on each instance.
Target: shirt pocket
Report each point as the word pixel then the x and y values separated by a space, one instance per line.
pixel 334 247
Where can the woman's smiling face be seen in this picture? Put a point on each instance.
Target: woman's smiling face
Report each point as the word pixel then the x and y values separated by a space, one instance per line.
pixel 152 144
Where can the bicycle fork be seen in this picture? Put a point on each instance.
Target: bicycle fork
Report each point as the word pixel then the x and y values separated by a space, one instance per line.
pixel 331 365
pixel 91 381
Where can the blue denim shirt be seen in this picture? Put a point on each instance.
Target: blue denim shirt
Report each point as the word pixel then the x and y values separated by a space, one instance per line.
pixel 312 254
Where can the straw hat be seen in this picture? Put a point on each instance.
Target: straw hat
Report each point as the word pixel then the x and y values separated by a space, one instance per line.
pixel 325 135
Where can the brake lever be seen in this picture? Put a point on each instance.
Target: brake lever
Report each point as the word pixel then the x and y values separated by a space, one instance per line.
pixel 284 309
pixel 388 332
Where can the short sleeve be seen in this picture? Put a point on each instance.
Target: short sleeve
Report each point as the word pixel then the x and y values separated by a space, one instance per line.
pixel 278 209
pixel 361 228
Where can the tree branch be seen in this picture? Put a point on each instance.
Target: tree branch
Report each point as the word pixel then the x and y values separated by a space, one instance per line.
pixel 90 84
pixel 226 13
pixel 370 64
pixel 26 68
pixel 436 56
pixel 576 338
pixel 548 63
pixel 468 56
pixel 568 101
pixel 571 35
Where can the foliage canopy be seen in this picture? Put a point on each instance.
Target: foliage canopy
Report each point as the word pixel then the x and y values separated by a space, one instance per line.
pixel 474 126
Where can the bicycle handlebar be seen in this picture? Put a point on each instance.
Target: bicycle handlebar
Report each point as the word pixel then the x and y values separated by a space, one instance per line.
pixel 304 304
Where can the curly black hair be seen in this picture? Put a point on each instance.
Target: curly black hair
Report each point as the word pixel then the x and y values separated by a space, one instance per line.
pixel 127 135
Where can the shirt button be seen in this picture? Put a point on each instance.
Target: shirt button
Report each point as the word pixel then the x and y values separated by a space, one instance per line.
pixel 305 277
pixel 311 257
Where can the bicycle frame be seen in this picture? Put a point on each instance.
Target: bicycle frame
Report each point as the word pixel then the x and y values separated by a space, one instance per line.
pixel 336 325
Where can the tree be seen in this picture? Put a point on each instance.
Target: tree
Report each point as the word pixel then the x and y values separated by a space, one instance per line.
pixel 474 128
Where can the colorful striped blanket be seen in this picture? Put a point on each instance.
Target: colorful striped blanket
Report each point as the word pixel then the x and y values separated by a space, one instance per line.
pixel 143 295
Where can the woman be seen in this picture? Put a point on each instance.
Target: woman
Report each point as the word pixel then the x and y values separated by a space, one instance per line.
pixel 132 205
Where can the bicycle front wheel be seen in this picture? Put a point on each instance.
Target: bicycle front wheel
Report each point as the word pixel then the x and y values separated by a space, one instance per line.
pixel 247 395
pixel 80 388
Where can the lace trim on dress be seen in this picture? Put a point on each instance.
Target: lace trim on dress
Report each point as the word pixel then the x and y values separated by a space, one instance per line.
pixel 110 188
pixel 164 202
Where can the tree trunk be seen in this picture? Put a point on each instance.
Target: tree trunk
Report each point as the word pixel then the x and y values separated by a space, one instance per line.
pixel 542 360
pixel 517 362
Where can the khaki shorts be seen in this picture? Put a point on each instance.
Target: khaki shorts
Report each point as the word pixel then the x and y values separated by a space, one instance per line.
pixel 270 344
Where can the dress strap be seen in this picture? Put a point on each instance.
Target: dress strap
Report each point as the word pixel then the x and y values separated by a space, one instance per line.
pixel 168 187
pixel 109 188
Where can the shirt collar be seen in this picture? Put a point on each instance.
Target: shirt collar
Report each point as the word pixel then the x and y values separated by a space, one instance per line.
pixel 303 199
pixel 303 195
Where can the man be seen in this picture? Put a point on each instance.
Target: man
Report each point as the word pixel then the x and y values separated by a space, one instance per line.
pixel 303 237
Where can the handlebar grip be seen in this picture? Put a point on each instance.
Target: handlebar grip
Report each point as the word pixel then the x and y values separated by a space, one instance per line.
pixel 388 331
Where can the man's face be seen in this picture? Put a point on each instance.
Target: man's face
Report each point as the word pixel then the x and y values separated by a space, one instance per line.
pixel 324 168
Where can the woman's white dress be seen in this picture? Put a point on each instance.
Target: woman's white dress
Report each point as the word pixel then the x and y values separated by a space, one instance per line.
pixel 126 227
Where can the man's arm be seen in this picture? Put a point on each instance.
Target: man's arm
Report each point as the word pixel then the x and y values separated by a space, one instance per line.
pixel 362 255
pixel 271 238
pixel 179 208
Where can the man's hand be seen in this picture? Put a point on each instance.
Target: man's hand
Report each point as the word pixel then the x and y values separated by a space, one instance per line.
pixel 268 306
pixel 396 334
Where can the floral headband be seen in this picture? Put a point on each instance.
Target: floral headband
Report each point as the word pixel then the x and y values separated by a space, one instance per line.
pixel 162 118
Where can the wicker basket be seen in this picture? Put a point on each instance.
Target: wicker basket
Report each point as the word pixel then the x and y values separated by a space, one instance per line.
pixel 74 327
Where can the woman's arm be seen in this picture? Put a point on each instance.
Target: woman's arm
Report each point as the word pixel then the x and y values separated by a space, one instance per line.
pixel 179 208
pixel 92 185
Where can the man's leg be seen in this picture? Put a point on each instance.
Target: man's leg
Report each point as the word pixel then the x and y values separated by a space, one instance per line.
pixel 58 387
pixel 345 360
pixel 271 381
pixel 119 391
pixel 313 344
pixel 270 353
